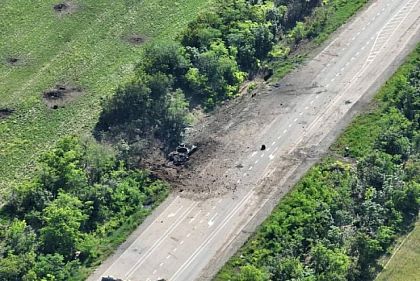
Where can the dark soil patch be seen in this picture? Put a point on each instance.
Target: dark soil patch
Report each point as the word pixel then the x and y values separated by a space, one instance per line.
pixel 12 60
pixel 135 39
pixel 60 95
pixel 66 7
pixel 5 112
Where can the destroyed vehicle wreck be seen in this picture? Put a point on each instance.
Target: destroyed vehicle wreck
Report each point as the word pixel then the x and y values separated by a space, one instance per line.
pixel 182 153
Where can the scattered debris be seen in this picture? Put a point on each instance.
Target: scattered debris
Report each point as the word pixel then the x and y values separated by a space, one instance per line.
pixel 182 153
pixel 110 278
pixel 60 95
pixel 347 102
pixel 5 112
pixel 346 151
pixel 263 147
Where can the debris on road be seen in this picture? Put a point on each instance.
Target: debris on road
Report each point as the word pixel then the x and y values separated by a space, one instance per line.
pixel 110 278
pixel 263 147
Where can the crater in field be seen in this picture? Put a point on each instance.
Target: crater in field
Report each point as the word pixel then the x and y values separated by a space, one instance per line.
pixel 5 112
pixel 135 39
pixel 12 60
pixel 60 95
pixel 65 7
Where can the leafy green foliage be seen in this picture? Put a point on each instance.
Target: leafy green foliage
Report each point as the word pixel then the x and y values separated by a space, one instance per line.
pixel 55 224
pixel 342 217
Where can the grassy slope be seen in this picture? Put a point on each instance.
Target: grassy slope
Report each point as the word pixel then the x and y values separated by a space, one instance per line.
pixel 84 48
pixel 404 265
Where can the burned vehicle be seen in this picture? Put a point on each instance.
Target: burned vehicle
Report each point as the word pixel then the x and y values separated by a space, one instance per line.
pixel 181 154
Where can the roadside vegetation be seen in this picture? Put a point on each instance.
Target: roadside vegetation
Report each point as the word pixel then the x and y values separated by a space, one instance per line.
pixel 229 43
pixel 81 202
pixel 347 212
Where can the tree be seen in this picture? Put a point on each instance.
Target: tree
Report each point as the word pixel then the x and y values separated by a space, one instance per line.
pixel 251 273
pixel 62 220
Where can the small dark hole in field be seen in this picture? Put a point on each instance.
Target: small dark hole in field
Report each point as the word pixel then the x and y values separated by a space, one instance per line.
pixel 5 112
pixel 60 95
pixel 12 60
pixel 61 7
pixel 136 39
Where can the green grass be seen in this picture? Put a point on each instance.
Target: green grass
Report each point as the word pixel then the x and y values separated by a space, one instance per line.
pixel 83 48
pixel 404 265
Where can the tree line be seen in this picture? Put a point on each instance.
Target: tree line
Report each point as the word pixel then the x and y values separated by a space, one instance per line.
pixel 205 65
pixel 62 220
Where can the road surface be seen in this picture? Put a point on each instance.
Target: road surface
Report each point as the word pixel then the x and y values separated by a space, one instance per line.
pixel 189 239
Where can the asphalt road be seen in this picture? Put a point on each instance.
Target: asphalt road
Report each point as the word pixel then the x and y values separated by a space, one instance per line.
pixel 187 239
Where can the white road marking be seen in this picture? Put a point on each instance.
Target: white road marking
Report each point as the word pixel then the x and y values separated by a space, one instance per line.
pixel 196 215
pixel 182 242
pixel 160 240
pixel 332 80
pixel 168 256
pixel 176 212
pixel 188 235
pixel 273 143
pixel 211 221
pixel 214 207
pixel 312 102
pixel 290 125
pixel 161 264
pixel 154 272
pixel 201 221
pixel 262 155
pixel 212 236
pixel 306 107
pixel 284 131
pixel 174 250
pixel 256 162
pixel 253 154
pixel 250 168
pixel 295 120
pixel 301 113
pixel 271 156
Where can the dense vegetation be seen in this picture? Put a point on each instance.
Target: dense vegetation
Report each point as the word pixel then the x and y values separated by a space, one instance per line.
pixel 69 214
pixel 346 212
pixel 225 45
pixel 88 48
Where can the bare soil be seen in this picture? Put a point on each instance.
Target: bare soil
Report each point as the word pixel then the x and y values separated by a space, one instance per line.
pixel 6 112
pixel 222 138
pixel 60 95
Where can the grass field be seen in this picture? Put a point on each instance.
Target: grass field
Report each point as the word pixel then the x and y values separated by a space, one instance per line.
pixel 404 264
pixel 84 48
